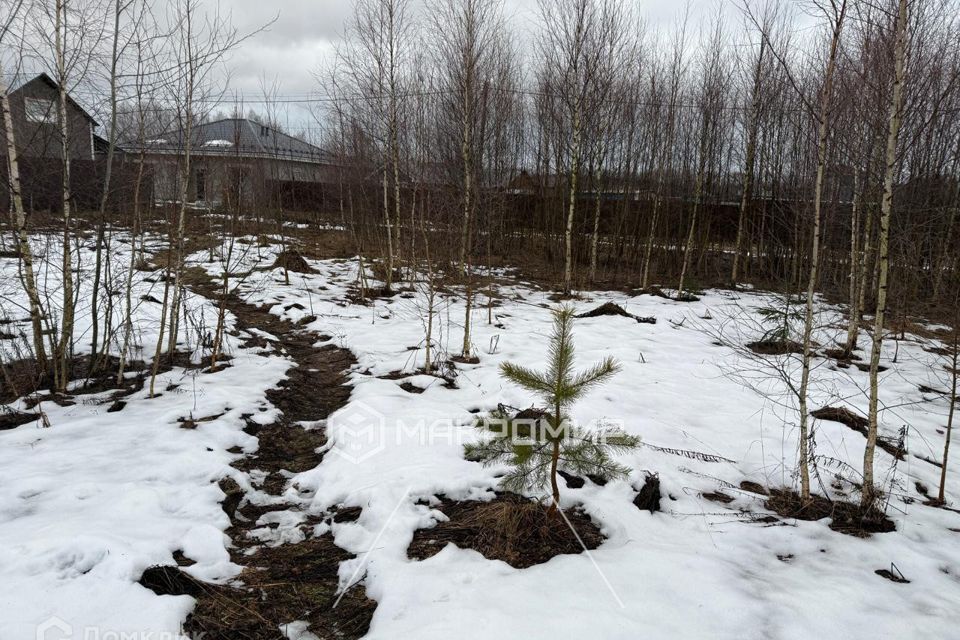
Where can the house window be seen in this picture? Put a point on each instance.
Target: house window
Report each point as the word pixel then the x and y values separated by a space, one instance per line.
pixel 264 131
pixel 39 110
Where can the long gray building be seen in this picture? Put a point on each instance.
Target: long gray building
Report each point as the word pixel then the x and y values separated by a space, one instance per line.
pixel 233 161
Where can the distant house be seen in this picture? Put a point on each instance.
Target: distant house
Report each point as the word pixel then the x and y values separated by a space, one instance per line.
pixel 35 115
pixel 234 161
pixel 34 107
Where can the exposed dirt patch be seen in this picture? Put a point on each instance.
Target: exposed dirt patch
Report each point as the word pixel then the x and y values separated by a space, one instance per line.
pixel 300 397
pixel 657 292
pixel 233 495
pixel 283 448
pixel 572 481
pixel 932 391
pixel 166 580
pixel 841 355
pixel 844 416
pixel 611 309
pixel 13 419
pixel 892 574
pixel 718 496
pixel 289 582
pixel 346 514
pixel 193 423
pixel 22 377
pixel 775 347
pixel 396 375
pixel 864 367
pixel 281 585
pixel 648 498
pixel 509 528
pixel 363 297
pixel 859 424
pixel 291 260
pixel 754 487
pixel 118 405
pixel 929 460
pixel 845 517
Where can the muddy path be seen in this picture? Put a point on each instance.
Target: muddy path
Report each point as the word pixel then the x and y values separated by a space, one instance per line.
pixel 293 582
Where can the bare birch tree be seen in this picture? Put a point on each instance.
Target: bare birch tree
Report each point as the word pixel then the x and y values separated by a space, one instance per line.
pixel 870 491
pixel 17 211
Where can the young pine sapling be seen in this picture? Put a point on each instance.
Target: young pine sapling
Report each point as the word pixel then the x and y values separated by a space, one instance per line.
pixel 536 448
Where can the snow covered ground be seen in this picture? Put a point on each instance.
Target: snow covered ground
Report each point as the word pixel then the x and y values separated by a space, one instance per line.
pixel 88 503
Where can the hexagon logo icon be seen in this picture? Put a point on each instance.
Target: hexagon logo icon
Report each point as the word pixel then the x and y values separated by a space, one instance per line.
pixel 54 629
pixel 359 432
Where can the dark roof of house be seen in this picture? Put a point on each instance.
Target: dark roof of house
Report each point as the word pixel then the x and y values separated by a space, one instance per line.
pixel 101 146
pixel 240 137
pixel 20 82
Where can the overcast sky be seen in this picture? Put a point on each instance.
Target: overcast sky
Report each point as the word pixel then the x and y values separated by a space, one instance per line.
pixel 305 33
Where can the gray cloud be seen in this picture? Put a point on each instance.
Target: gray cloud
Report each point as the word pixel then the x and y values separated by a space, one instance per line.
pixel 304 34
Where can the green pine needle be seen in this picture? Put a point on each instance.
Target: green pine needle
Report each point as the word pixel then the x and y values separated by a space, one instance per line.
pixel 527 450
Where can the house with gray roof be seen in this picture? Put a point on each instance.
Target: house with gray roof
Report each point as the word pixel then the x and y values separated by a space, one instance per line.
pixel 34 110
pixel 234 162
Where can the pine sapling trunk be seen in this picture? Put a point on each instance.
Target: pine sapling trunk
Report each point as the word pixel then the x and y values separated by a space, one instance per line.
pixel 554 461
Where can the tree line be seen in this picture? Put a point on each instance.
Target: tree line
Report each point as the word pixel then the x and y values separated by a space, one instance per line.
pixel 745 149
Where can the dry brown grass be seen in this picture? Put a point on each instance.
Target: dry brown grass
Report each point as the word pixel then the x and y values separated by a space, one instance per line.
pixel 510 528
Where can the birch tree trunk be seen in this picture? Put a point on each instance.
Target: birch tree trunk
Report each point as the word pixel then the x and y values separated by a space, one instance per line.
pixel 394 117
pixel 466 153
pixel 64 348
pixel 594 236
pixel 954 374
pixel 870 491
pixel 697 197
pixel 853 324
pixel 105 196
pixel 389 224
pixel 186 169
pixel 751 155
pixel 822 139
pixel 572 201
pixel 19 223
